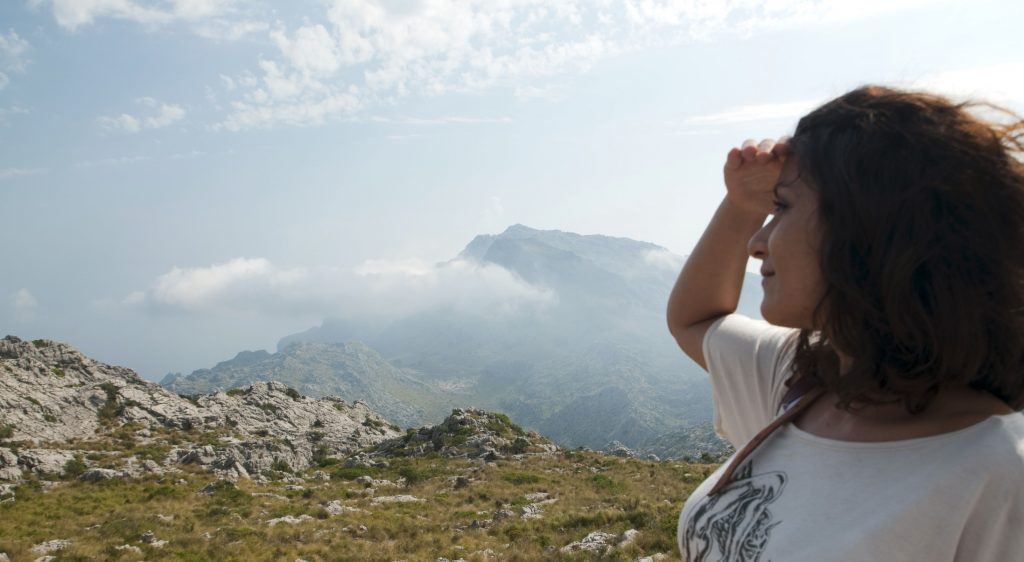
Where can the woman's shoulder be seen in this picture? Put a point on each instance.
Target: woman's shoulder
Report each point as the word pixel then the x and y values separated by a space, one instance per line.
pixel 1001 443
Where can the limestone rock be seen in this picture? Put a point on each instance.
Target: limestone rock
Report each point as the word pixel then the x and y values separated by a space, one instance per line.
pixel 97 474
pixel 51 393
pixel 51 546
pixel 468 433
pixel 619 450
pixel 396 499
pixel 290 519
pixel 597 542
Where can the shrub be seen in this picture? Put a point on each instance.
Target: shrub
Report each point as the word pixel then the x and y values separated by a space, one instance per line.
pixel 50 418
pixel 415 475
pixel 235 391
pixel 281 465
pixel 604 483
pixel 521 478
pixel 353 472
pixel 74 467
pixel 293 394
pixel 40 343
pixel 110 410
pixel 268 407
pixel 164 492
pixel 58 371
pixel 6 431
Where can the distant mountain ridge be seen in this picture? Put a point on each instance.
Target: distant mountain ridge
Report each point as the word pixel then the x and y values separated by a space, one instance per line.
pixel 596 366
pixel 326 369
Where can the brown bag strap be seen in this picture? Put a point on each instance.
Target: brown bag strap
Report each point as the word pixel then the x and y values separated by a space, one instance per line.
pixel 809 397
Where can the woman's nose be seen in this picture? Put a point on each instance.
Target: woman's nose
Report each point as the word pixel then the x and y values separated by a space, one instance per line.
pixel 757 246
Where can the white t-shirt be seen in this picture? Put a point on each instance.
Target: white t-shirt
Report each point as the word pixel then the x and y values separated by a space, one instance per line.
pixel 957 496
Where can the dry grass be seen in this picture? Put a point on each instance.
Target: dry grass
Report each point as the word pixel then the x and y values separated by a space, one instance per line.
pixel 594 492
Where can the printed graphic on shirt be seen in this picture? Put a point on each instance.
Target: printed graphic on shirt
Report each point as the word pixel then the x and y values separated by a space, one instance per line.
pixel 735 524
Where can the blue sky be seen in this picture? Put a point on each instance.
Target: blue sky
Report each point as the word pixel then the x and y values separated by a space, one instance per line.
pixel 185 179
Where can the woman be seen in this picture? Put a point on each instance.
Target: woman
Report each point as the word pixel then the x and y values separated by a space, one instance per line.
pixel 876 410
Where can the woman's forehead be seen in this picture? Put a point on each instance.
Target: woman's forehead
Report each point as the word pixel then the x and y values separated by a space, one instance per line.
pixel 790 181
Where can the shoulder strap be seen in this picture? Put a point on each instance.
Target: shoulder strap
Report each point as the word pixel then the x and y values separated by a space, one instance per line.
pixel 802 405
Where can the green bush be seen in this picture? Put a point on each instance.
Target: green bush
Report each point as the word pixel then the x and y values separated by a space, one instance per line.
pixel 604 483
pixel 353 472
pixel 40 343
pixel 293 394
pixel 110 410
pixel 281 465
pixel 235 391
pixel 521 478
pixel 58 371
pixel 414 475
pixel 74 467
pixel 268 407
pixel 6 431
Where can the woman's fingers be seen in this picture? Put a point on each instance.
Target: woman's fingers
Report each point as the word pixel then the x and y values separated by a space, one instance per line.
pixel 760 152
pixel 734 160
pixel 749 150
pixel 764 151
pixel 781 149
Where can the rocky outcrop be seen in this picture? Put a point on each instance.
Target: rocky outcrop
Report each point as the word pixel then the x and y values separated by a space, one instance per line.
pixel 51 394
pixel 467 433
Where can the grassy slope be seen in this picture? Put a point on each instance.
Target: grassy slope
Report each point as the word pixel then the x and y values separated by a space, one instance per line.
pixel 621 494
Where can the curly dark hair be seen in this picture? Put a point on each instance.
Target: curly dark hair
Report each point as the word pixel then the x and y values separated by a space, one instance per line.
pixel 921 204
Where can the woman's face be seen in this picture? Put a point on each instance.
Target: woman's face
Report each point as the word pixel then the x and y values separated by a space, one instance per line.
pixel 788 247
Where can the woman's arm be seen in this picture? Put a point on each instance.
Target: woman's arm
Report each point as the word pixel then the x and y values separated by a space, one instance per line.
pixel 709 285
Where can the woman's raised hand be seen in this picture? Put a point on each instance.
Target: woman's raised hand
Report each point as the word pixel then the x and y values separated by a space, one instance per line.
pixel 752 171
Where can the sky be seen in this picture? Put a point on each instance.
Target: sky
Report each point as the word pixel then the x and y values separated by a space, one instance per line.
pixel 184 179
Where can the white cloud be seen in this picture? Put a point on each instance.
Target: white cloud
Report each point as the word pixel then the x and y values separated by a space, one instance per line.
pixel 379 288
pixel 12 110
pixel 312 51
pixel 225 30
pixel 372 53
pixel 123 122
pixel 446 120
pixel 664 259
pixel 755 112
pixel 13 50
pixel 112 161
pixel 23 300
pixel 24 305
pixel 72 14
pixel 166 114
pixel 6 173
pixel 999 83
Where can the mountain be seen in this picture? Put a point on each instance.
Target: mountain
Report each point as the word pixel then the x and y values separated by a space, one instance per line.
pixel 328 369
pixel 97 463
pixel 595 365
pixel 54 402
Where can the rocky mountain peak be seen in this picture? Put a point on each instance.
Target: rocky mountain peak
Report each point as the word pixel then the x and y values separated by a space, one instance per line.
pixel 51 394
pixel 469 433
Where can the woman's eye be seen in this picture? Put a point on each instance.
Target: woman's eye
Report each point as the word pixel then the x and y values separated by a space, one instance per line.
pixel 777 205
